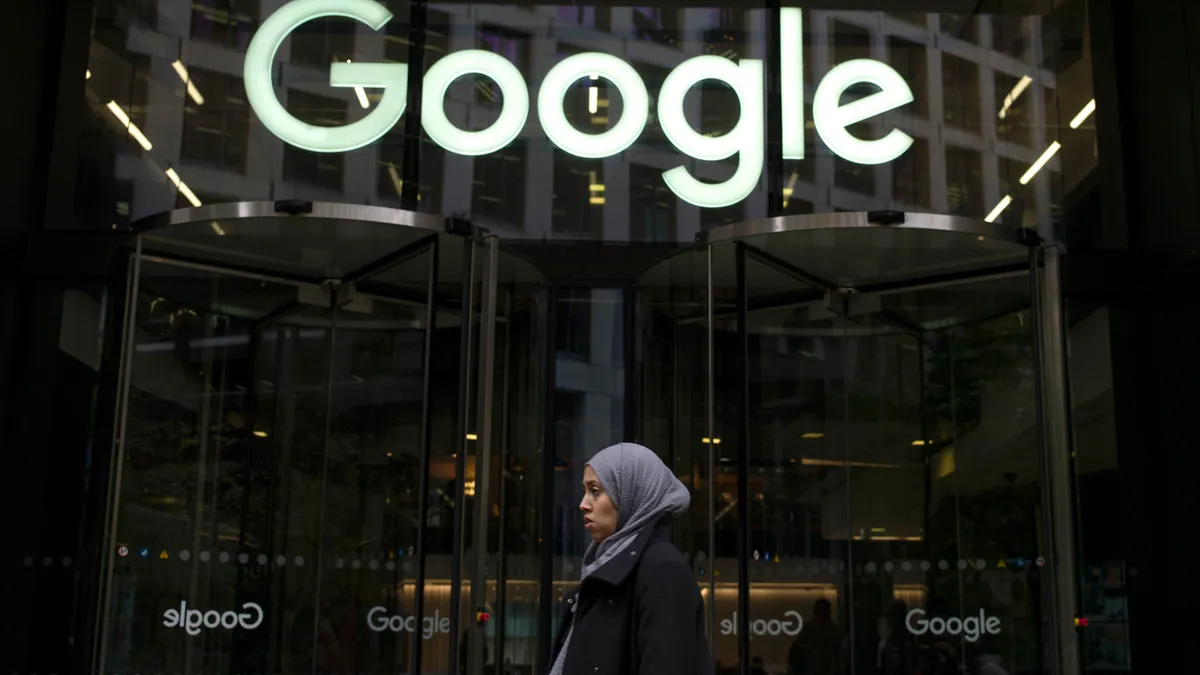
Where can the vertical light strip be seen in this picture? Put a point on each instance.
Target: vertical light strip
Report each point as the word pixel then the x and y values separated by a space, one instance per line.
pixel 132 128
pixel 1017 90
pixel 183 188
pixel 991 217
pixel 1085 113
pixel 1041 161
pixel 182 71
pixel 791 75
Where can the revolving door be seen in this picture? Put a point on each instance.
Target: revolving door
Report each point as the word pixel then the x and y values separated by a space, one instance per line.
pixel 316 419
pixel 867 410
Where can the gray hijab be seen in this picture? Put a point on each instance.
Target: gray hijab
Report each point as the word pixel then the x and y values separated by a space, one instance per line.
pixel 643 490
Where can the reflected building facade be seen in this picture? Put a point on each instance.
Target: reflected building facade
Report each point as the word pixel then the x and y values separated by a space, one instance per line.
pixel 291 462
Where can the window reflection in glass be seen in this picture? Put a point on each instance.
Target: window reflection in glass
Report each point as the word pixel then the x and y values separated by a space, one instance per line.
pixel 579 197
pixel 226 22
pixel 651 206
pixel 216 120
pixel 499 186
pixel 322 42
pixel 323 170
pixel 961 106
pixel 512 45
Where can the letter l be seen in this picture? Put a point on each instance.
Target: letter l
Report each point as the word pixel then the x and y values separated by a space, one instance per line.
pixel 791 80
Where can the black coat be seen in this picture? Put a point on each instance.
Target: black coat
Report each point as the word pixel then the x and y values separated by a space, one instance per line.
pixel 639 614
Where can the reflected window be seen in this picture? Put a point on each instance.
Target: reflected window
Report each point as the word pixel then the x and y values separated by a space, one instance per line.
pixel 398 36
pixel 215 132
pixel 963 27
pixel 910 175
pixel 722 32
pixel 964 182
pixel 319 169
pixel 573 336
pixel 579 196
pixel 1014 118
pixel 910 59
pixel 651 206
pixel 599 18
pixel 1009 35
pixel 323 41
pixel 848 175
pixel 389 173
pixel 960 84
pixel 658 24
pixel 226 22
pixel 849 42
pixel 512 45
pixel 499 186
pixel 652 135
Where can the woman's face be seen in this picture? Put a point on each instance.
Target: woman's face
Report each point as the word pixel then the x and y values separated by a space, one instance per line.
pixel 599 511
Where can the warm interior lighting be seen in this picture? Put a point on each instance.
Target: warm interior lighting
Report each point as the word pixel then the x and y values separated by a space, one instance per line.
pixel 593 96
pixel 1041 161
pixel 1085 113
pixel 89 75
pixel 714 441
pixel 472 437
pixel 991 217
pixel 132 128
pixel 260 434
pixel 469 488
pixel 858 537
pixel 595 190
pixel 918 443
pixel 1017 89
pixel 812 434
pixel 183 188
pixel 182 72
pixel 809 461
pixel 217 229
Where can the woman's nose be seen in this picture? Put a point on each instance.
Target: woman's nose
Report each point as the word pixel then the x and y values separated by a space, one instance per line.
pixel 583 505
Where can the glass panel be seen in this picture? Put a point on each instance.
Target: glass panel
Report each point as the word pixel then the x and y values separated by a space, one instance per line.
pixel 220 491
pixel 892 457
pixel 269 510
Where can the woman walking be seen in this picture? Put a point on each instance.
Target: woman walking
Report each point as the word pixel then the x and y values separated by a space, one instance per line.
pixel 637 609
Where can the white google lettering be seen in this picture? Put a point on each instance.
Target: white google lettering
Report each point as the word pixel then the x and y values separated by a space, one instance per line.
pixel 790 625
pixel 971 627
pixel 745 77
pixel 193 621
pixel 379 621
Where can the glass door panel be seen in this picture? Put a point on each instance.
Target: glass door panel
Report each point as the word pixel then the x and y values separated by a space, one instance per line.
pixel 875 393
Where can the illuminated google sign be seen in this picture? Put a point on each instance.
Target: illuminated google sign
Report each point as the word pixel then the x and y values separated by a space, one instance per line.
pixel 745 77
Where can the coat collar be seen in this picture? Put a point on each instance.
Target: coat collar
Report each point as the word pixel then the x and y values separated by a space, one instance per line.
pixel 615 571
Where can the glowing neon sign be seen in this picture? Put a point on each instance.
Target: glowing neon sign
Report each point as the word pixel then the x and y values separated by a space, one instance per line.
pixel 745 77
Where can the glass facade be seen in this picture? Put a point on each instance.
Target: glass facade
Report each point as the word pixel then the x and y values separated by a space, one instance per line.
pixel 330 440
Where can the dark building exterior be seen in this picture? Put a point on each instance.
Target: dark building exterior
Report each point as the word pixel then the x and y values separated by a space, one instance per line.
pixel 311 305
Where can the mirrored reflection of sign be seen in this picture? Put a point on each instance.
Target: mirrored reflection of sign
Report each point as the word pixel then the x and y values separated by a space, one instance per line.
pixel 970 627
pixel 745 77
pixel 379 621
pixel 790 625
pixel 195 621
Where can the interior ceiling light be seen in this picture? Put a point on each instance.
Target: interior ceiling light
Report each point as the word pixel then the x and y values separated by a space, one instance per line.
pixel 1017 89
pixel 1083 114
pixel 183 188
pixel 182 72
pixel 991 217
pixel 132 128
pixel 812 434
pixel 1041 161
